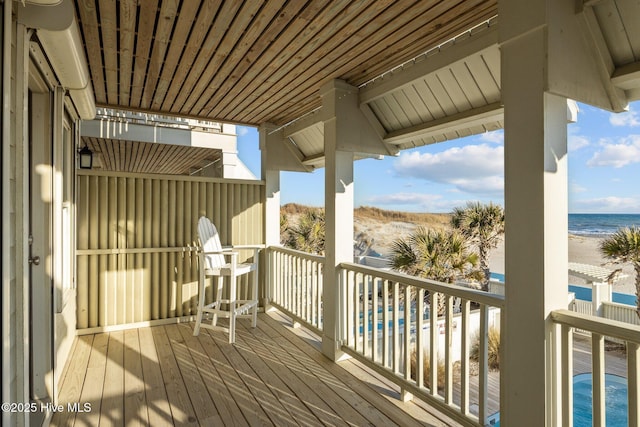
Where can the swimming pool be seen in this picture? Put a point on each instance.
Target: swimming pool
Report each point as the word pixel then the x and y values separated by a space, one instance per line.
pixel 615 399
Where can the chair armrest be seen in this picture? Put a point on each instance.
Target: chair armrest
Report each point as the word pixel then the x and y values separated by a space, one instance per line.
pixel 258 246
pixel 224 251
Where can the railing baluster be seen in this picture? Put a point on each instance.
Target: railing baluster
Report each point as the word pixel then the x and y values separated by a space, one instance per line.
pixel 597 354
pixel 420 338
pixel 633 369
pixel 464 368
pixel 365 315
pixel 448 342
pixel 567 380
pixel 356 311
pixel 374 320
pixel 386 344
pixel 483 375
pixel 396 328
pixel 319 288
pixel 433 345
pixel 406 395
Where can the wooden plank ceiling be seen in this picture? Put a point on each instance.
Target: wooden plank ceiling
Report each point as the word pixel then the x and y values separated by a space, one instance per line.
pixel 145 157
pixel 253 62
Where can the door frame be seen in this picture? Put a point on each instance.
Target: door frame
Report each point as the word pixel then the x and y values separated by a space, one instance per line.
pixel 39 215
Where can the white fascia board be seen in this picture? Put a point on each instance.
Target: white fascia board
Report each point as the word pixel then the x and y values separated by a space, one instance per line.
pixel 478 116
pixel 108 129
pixel 627 77
pixel 472 45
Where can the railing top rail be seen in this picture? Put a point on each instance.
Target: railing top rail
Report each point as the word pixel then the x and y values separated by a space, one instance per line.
pixel 607 327
pixel 430 285
pixel 294 252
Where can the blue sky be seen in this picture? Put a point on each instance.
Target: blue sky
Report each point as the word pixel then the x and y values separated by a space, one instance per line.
pixel 604 170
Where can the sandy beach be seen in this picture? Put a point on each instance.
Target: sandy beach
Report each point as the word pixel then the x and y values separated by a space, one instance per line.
pixel 584 250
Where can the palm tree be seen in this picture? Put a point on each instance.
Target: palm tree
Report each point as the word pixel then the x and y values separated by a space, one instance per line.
pixel 483 224
pixel 622 247
pixel 308 234
pixel 438 255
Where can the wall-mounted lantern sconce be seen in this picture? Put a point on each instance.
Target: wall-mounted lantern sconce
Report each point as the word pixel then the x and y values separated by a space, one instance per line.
pixel 86 157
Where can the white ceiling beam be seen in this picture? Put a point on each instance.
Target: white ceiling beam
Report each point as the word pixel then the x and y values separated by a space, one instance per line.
pixel 604 63
pixel 466 119
pixel 627 77
pixel 317 160
pixel 456 52
pixel 281 153
pixel 304 123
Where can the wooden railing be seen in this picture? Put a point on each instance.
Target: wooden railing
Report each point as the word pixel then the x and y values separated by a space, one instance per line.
pixel 296 285
pixel 599 328
pixel 387 324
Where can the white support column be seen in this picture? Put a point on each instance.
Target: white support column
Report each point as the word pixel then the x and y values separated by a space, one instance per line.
pixel 271 177
pixel 339 210
pixel 536 208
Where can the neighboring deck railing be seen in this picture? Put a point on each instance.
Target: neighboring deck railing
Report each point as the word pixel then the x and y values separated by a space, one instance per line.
pixel 386 325
pixel 620 312
pixel 296 285
pixel 598 328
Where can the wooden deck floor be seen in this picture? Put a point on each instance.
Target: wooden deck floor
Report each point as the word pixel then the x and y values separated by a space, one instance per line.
pixel 273 375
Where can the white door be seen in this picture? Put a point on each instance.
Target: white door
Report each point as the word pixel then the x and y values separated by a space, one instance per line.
pixel 40 245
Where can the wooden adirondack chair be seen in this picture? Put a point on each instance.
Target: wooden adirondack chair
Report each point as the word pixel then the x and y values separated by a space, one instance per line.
pixel 218 262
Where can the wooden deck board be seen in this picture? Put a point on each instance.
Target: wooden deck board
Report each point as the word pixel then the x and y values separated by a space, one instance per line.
pixel 177 395
pixel 376 398
pixel 74 377
pixel 273 375
pixel 238 396
pixel 197 391
pixel 260 390
pixel 262 361
pixel 135 406
pixel 112 408
pixel 158 409
pixel 164 376
pixel 94 381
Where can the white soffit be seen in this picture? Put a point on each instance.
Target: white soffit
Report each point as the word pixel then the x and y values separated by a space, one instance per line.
pixel 619 26
pixel 448 93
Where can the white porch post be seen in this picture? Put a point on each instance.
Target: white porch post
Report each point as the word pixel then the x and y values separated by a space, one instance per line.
pixel 536 208
pixel 338 208
pixel 271 177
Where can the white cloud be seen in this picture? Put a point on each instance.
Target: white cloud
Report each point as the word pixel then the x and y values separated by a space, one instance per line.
pixel 404 198
pixel 617 155
pixel 423 202
pixel 609 204
pixel 576 142
pixel 628 118
pixel 496 136
pixel 473 168
pixel 242 130
pixel 576 188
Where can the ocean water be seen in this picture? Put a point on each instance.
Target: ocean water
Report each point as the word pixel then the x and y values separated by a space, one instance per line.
pixel 600 225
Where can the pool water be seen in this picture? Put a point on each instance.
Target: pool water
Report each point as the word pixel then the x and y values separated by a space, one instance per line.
pixel 615 399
